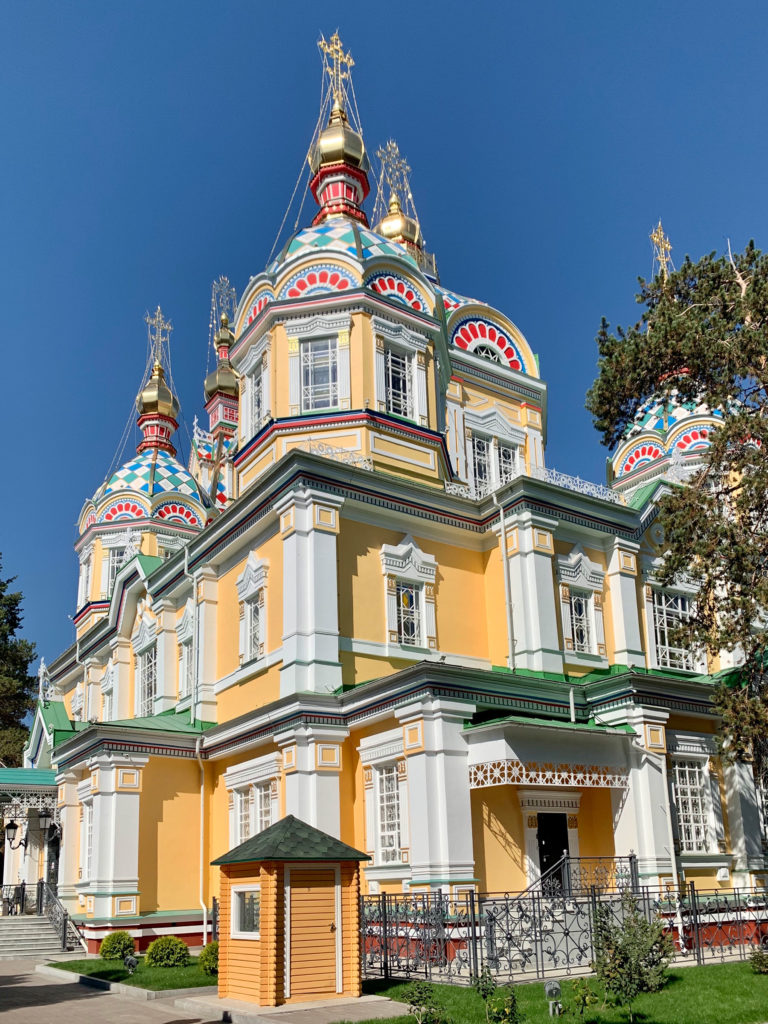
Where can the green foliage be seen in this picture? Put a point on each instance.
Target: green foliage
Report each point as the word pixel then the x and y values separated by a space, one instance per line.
pixel 17 686
pixel 582 996
pixel 758 958
pixel 209 958
pixel 116 946
pixel 631 954
pixel 423 1004
pixel 702 339
pixel 167 951
pixel 500 1003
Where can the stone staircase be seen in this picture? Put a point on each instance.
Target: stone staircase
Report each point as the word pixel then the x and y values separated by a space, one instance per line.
pixel 28 935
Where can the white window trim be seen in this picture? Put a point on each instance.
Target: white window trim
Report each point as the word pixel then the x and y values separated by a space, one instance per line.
pixel 494 428
pixel 142 642
pixel 407 563
pixel 235 891
pixel 376 752
pixel 184 636
pixel 108 690
pixel 256 772
pixel 399 338
pixel 84 579
pixel 252 587
pixel 576 570
pixel 683 589
pixel 316 328
pixel 694 747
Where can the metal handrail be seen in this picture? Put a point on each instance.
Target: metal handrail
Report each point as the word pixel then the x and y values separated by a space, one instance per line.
pixel 59 917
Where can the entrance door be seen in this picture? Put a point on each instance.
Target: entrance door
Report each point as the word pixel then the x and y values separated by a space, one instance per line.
pixel 552 838
pixel 313 932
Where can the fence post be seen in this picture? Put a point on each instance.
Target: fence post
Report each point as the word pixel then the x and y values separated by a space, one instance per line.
pixel 40 894
pixel 633 872
pixel 214 918
pixel 695 936
pixel 384 934
pixel 64 922
pixel 566 874
pixel 475 965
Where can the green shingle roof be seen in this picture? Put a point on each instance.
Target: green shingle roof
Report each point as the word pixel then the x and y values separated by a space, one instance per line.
pixel 290 839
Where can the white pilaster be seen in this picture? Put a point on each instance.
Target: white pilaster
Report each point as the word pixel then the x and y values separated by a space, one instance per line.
pixel 533 596
pixel 206 584
pixel 167 655
pixel 312 763
pixel 309 524
pixel 622 585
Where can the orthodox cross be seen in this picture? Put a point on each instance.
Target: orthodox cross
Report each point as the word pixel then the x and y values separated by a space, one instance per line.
pixel 395 175
pixel 337 64
pixel 158 332
pixel 661 250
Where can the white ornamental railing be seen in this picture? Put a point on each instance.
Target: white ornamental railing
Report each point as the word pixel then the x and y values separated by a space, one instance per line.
pixel 338 455
pixel 550 476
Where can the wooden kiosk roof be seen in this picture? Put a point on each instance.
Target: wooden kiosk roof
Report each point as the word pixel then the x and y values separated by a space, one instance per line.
pixel 290 839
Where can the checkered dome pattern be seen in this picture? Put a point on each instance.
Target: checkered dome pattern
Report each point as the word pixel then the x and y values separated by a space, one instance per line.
pixel 341 237
pixel 153 473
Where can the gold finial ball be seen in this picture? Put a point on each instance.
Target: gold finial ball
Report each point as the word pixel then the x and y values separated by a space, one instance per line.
pixel 156 397
pixel 224 320
pixel 339 144
pixel 398 226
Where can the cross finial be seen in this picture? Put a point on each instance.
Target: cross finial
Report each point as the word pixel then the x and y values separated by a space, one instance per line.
pixel 159 333
pixel 396 171
pixel 337 65
pixel 661 250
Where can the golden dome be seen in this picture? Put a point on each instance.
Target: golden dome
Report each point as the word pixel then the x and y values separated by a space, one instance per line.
pixel 223 377
pixel 398 226
pixel 339 144
pixel 157 397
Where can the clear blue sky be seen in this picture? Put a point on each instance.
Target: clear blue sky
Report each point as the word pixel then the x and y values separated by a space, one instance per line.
pixel 149 147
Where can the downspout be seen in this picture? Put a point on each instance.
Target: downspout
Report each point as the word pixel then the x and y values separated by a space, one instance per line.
pixel 572 704
pixel 193 652
pixel 198 745
pixel 507 593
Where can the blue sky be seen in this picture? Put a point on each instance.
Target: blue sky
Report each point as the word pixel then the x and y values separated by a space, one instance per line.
pixel 150 147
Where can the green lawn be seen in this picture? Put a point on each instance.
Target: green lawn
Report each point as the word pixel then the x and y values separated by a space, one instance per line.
pixel 155 978
pixel 715 994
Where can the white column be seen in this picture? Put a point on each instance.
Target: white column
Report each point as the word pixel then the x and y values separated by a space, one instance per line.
pixel 166 655
pixel 440 817
pixel 122 700
pixel 422 412
pixel 294 377
pixel 533 596
pixel 622 585
pixel 312 763
pixel 207 599
pixel 115 859
pixel 69 823
pixel 743 821
pixel 380 375
pixel 345 383
pixel 309 524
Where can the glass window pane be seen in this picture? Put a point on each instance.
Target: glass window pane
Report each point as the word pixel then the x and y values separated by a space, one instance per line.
pixel 248 911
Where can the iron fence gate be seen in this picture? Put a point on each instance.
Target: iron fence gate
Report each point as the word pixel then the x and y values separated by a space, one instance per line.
pixel 539 934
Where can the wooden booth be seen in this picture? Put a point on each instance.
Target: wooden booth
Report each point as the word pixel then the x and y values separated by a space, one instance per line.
pixel 290 916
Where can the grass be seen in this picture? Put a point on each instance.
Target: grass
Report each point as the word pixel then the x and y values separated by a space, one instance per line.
pixel 156 978
pixel 714 994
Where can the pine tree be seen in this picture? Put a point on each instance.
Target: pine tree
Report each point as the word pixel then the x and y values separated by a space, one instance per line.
pixel 17 686
pixel 703 338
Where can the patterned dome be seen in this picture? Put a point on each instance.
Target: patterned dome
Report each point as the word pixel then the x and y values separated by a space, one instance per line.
pixel 340 235
pixel 152 473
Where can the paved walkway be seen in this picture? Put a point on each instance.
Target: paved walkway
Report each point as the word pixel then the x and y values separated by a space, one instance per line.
pixel 30 998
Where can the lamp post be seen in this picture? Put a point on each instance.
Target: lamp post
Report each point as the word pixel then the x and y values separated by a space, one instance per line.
pixel 10 832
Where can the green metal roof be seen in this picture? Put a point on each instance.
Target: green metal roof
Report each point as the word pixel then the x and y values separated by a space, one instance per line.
pixel 149 563
pixel 12 777
pixel 166 721
pixel 290 839
pixel 552 723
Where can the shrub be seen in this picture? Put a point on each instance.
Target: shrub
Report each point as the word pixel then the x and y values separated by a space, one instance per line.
pixel 632 954
pixel 582 996
pixel 209 958
pixel 502 1008
pixel 167 951
pixel 423 1005
pixel 759 960
pixel 116 946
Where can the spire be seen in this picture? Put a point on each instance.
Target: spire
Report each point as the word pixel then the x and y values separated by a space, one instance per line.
pixel 222 383
pixel 661 250
pixel 399 221
pixel 338 160
pixel 157 405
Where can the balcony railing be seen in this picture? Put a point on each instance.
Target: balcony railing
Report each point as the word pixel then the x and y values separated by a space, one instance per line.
pixel 550 476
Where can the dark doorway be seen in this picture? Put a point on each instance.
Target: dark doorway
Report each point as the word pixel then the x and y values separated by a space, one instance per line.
pixel 552 837
pixel 53 861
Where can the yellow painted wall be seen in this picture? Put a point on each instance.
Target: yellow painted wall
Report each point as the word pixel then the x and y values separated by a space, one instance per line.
pixel 258 689
pixel 596 823
pixel 169 817
pixel 495 606
pixel 497 838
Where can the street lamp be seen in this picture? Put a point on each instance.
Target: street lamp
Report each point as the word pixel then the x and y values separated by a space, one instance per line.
pixel 44 818
pixel 10 831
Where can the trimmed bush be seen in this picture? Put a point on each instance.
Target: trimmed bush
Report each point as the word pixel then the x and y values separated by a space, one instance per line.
pixel 209 958
pixel 116 946
pixel 167 951
pixel 759 960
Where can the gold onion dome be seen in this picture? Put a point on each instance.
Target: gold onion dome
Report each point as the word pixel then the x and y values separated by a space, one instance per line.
pixel 157 397
pixel 223 378
pixel 339 144
pixel 398 226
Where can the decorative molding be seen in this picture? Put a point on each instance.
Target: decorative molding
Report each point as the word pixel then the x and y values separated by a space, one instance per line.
pixel 578 570
pixel 407 561
pixel 253 578
pixel 530 773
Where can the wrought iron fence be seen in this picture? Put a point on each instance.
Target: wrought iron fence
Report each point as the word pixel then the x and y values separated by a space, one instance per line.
pixel 19 899
pixel 49 904
pixel 541 933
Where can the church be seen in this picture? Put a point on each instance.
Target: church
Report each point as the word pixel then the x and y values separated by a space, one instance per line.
pixel 368 602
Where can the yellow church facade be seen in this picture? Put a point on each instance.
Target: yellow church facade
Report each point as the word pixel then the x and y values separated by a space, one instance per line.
pixel 369 603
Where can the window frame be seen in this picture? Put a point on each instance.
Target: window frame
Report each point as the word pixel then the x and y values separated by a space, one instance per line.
pixel 306 347
pixel 579 578
pixel 407 408
pixel 414 615
pixel 389 770
pixel 143 699
pixel 242 889
pixel 251 587
pixel 687 656
pixel 406 565
pixel 699 763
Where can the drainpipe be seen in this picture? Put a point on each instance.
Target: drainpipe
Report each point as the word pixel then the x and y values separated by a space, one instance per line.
pixel 572 704
pixel 507 593
pixel 190 576
pixel 203 906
